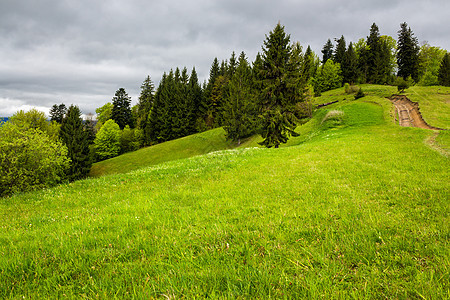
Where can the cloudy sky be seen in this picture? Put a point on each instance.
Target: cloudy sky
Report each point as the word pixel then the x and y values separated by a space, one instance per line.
pixel 80 52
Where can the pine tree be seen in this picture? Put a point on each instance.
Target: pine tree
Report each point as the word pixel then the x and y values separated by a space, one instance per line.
pixel 339 53
pixel 121 112
pixel 280 88
pixel 407 53
pixel 145 105
pixel 239 114
pixel 72 133
pixel 57 112
pixel 444 71
pixel 327 51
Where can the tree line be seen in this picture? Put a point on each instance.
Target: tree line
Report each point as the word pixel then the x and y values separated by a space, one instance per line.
pixel 267 96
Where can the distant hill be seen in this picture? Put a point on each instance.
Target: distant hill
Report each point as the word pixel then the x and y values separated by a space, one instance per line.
pixel 4 119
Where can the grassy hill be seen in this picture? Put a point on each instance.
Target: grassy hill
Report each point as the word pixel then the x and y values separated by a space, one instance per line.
pixel 356 207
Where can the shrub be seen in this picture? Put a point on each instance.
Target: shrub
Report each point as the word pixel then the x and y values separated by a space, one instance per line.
pixel 29 159
pixel 402 84
pixel 351 89
pixel 359 94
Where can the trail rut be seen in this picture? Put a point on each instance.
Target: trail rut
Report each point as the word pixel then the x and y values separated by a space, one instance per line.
pixel 408 113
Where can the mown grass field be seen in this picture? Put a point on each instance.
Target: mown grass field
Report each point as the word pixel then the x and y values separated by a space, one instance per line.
pixel 356 207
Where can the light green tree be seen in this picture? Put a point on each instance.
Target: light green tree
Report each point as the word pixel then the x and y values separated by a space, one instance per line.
pixel 107 141
pixel 327 78
pixel 29 159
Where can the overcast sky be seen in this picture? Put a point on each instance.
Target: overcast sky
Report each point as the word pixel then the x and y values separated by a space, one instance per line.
pixel 81 51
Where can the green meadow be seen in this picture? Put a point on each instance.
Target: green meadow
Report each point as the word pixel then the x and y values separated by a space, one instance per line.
pixel 355 207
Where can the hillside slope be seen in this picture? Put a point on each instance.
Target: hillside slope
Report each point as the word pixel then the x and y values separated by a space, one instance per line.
pixel 356 209
pixel 197 144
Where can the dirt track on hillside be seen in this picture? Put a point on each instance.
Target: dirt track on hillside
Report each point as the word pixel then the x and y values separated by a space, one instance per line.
pixel 408 113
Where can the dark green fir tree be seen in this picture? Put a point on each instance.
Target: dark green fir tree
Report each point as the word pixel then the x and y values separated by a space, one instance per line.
pixel 239 109
pixel 281 88
pixel 339 52
pixel 444 71
pixel 57 113
pixel 121 111
pixel 349 65
pixel 407 53
pixel 76 138
pixel 327 51
pixel 145 105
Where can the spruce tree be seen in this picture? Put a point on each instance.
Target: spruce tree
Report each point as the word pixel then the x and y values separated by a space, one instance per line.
pixel 76 138
pixel 349 65
pixel 57 112
pixel 327 51
pixel 373 54
pixel 196 106
pixel 145 105
pixel 239 114
pixel 280 88
pixel 444 71
pixel 121 111
pixel 232 65
pixel 339 53
pixel 407 53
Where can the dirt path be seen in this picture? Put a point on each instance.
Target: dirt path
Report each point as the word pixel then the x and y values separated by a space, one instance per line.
pixel 408 113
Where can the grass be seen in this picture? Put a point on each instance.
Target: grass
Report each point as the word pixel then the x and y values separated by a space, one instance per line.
pixel 197 144
pixel 434 104
pixel 355 208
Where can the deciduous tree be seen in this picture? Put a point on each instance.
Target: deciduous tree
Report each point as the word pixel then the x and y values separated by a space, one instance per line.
pixel 107 140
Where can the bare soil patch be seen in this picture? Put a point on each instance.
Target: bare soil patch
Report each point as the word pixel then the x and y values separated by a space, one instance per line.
pixel 408 113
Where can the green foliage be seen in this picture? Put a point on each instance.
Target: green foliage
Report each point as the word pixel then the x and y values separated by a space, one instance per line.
pixel 328 77
pixel 107 140
pixel 282 88
pixel 76 138
pixel 444 71
pixel 359 94
pixel 430 59
pixel 178 105
pixel 310 64
pixel 402 84
pixel 239 109
pixel 129 140
pixel 349 65
pixel 339 52
pixel 121 110
pixel 376 59
pixel 407 53
pixel 36 120
pixel 103 114
pixel 144 108
pixel 29 159
pixel 57 112
pixel 327 51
